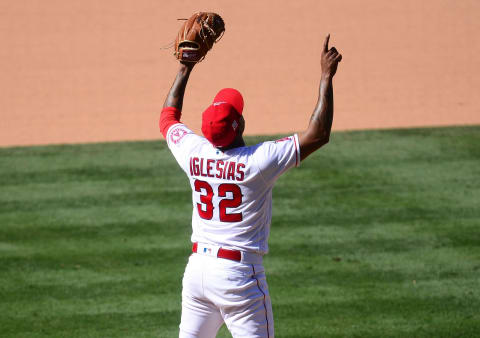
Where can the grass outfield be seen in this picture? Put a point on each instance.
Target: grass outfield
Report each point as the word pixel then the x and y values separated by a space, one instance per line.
pixel 377 235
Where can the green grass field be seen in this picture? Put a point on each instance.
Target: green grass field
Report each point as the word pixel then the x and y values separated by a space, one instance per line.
pixel 377 235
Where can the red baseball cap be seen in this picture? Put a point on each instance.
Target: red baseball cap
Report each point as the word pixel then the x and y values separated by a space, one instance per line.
pixel 221 120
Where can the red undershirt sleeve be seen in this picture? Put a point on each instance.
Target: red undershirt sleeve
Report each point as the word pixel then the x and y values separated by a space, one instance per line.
pixel 168 117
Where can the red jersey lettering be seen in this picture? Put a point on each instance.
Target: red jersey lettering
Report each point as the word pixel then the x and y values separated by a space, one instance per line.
pixel 210 167
pixel 196 169
pixel 201 168
pixel 219 169
pixel 240 172
pixel 231 171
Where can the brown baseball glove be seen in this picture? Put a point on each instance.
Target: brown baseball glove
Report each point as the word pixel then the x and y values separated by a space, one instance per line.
pixel 197 36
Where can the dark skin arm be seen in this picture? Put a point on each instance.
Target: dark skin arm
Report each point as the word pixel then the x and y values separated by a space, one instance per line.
pixel 177 91
pixel 318 131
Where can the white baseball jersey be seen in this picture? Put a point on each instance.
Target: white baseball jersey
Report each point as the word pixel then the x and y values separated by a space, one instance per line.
pixel 232 190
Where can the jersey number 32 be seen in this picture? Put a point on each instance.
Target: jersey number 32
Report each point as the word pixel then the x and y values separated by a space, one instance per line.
pixel 205 207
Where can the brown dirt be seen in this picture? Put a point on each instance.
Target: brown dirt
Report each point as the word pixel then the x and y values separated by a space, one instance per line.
pixel 87 71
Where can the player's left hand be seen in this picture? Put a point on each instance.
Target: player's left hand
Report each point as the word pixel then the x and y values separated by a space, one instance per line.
pixel 197 36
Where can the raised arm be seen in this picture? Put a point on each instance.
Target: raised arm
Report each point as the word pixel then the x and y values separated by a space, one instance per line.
pixel 318 131
pixel 175 95
pixel 172 107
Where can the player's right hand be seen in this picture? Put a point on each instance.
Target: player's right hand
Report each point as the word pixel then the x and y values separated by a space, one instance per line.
pixel 330 59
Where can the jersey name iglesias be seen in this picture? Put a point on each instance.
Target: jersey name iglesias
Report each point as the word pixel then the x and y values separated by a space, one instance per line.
pixel 232 189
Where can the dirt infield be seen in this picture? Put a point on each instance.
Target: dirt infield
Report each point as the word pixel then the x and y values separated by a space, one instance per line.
pixel 87 71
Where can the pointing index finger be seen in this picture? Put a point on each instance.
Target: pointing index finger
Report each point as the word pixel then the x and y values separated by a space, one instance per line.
pixel 325 44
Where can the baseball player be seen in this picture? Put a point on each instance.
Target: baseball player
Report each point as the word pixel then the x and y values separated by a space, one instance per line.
pixel 224 281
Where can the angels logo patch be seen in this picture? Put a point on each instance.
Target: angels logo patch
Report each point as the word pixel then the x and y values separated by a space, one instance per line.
pixel 177 134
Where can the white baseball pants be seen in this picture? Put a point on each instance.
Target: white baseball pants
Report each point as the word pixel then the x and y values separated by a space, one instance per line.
pixel 217 290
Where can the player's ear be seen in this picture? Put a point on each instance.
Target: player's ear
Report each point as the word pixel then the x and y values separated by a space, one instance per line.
pixel 241 125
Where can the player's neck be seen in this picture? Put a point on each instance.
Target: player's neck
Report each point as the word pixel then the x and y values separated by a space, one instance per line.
pixel 238 142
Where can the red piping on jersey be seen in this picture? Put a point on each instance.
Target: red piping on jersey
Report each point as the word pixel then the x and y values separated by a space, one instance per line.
pixel 296 151
pixel 264 301
pixel 168 117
